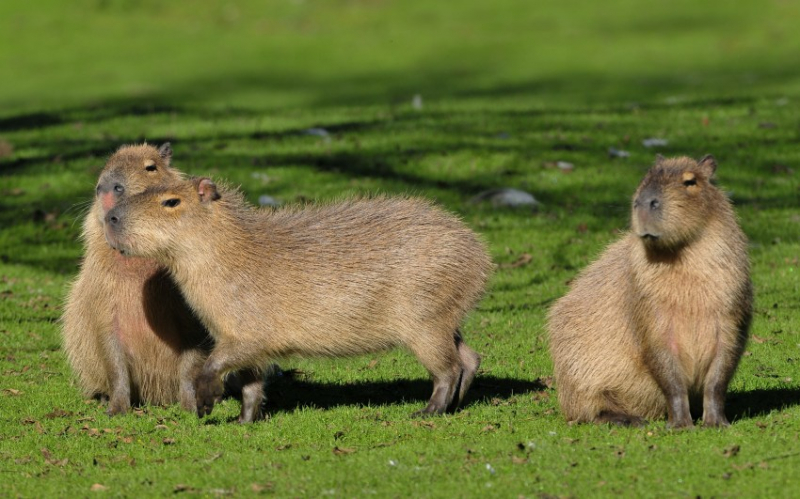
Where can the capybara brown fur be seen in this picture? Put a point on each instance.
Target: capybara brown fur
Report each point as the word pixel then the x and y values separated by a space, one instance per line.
pixel 127 331
pixel 347 278
pixel 658 323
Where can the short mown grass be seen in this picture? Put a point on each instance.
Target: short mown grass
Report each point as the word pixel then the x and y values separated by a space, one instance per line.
pixel 508 89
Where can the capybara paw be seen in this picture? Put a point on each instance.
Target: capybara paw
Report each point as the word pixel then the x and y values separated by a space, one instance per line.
pixel 680 424
pixel 430 410
pixel 208 391
pixel 118 406
pixel 716 422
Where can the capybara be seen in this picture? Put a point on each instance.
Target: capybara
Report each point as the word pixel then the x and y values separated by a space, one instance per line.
pixel 329 280
pixel 659 322
pixel 127 331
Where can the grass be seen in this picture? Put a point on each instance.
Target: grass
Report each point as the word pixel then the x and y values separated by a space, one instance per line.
pixel 508 89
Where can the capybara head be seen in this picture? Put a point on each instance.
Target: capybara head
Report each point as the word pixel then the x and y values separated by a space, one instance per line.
pixel 131 170
pixel 149 223
pixel 674 202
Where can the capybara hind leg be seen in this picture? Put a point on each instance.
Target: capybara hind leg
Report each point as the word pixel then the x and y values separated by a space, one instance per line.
pixel 619 419
pixel 470 361
pixel 252 396
pixel 444 365
pixel 444 388
pixel 191 364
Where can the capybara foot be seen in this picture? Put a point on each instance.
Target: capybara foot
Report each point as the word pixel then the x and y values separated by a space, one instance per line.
pixel 426 412
pixel 118 405
pixel 680 424
pixel 716 422
pixel 208 391
pixel 619 419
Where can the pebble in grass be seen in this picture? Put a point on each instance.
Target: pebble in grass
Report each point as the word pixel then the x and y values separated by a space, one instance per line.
pixel 507 198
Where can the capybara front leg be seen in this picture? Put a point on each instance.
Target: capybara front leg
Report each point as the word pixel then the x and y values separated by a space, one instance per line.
pixel 191 363
pixel 119 401
pixel 667 373
pixel 208 389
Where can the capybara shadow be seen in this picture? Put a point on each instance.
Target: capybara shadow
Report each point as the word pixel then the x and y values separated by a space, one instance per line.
pixel 760 402
pixel 289 391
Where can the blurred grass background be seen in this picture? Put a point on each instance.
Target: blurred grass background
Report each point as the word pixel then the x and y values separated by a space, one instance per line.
pixel 297 53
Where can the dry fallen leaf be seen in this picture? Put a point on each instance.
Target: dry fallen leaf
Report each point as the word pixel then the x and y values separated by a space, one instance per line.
pixel 339 451
pixel 97 487
pixel 731 451
pixel 262 487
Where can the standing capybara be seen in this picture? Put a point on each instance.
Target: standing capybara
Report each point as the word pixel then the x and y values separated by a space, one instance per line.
pixel 659 322
pixel 127 330
pixel 348 278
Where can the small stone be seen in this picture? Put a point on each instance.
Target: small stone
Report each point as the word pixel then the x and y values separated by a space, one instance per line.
pixel 507 197
pixel 265 200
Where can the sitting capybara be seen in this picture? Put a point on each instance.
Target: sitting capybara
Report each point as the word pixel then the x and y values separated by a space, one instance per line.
pixel 347 278
pixel 658 323
pixel 127 331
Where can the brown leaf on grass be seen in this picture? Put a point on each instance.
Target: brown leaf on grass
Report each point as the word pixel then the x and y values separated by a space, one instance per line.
pixel 98 487
pixel 488 428
pixel 262 487
pixel 546 381
pixel 182 487
pixel 340 451
pixel 12 392
pixel 372 364
pixel 757 339
pixel 424 423
pixel 519 460
pixel 761 424
pixel 521 261
pixel 731 451
pixel 283 447
pixel 57 413
pixel 168 441
pixel 49 459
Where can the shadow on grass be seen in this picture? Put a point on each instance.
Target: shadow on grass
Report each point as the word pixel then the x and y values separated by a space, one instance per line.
pixel 755 403
pixel 288 393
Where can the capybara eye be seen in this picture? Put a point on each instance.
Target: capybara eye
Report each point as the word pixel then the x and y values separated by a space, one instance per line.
pixel 150 168
pixel 689 182
pixel 171 203
pixel 118 188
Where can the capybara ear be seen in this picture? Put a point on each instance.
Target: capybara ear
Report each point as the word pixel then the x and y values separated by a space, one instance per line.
pixel 165 151
pixel 206 189
pixel 659 159
pixel 708 165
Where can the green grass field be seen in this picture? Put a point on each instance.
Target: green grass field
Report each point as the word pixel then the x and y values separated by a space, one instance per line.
pixel 508 89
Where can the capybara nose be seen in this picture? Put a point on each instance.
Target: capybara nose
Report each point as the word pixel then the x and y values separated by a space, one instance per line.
pixel 113 220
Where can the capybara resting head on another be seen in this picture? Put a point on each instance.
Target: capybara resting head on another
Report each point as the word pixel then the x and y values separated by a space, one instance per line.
pixel 333 280
pixel 127 331
pixel 658 323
